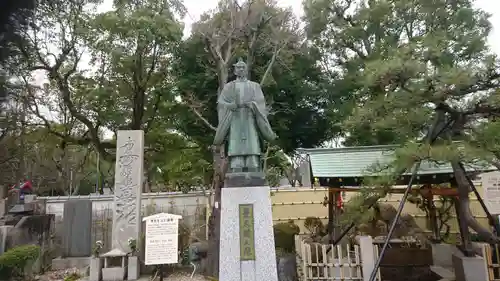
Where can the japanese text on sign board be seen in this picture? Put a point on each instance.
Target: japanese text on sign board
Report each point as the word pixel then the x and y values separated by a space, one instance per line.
pixel 247 243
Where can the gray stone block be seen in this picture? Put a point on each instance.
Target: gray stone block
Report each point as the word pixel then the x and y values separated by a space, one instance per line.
pixel 113 274
pixel 470 268
pixel 245 179
pixel 65 263
pixel 4 234
pixel 95 273
pixel 77 225
pixel 133 268
pixel 3 207
pixel 442 254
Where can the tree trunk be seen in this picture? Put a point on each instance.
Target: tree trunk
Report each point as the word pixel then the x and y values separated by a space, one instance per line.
pixel 464 211
pixel 214 222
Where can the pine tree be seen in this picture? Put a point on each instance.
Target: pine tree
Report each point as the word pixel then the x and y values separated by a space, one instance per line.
pixel 406 65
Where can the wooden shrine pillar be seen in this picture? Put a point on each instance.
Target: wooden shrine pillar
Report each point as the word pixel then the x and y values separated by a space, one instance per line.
pixel 428 197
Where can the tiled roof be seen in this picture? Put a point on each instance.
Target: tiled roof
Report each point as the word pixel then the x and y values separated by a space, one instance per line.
pixel 356 161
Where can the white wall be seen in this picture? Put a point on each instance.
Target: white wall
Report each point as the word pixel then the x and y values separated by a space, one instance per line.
pixel 163 200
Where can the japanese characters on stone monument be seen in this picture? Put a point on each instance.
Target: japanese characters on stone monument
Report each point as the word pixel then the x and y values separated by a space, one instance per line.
pixel 128 188
pixel 246 240
pixel 162 239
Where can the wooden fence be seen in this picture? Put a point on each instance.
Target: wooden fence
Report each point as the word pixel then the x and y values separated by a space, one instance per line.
pixel 492 252
pixel 328 262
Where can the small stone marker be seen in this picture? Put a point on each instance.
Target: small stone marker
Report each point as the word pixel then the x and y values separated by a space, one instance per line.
pixel 129 176
pixel 162 235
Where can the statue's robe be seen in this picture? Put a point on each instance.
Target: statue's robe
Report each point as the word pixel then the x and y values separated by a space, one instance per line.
pixel 242 125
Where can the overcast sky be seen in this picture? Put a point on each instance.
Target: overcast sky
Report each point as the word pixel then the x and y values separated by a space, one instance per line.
pixel 197 7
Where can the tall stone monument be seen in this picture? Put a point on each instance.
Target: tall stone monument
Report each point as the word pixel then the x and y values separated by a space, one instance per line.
pixel 128 189
pixel 246 239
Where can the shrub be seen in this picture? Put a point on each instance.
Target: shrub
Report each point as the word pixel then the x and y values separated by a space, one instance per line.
pixel 315 226
pixel 284 236
pixel 14 261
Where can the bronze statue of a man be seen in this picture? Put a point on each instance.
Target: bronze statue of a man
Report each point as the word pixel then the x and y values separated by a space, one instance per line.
pixel 242 119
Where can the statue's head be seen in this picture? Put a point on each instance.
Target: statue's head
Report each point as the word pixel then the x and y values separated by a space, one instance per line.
pixel 240 68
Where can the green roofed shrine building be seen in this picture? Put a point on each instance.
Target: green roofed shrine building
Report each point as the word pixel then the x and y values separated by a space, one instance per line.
pixel 344 169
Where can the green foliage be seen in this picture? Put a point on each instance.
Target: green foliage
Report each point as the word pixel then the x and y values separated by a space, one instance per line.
pixel 398 60
pixel 296 93
pixel 14 261
pixel 443 210
pixel 315 226
pixel 284 236
pixel 356 209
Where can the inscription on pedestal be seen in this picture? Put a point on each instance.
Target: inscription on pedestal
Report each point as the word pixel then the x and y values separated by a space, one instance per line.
pixel 247 240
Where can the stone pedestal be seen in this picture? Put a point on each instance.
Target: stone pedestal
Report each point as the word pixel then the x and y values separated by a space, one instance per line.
pixel 246 239
pixel 114 272
pixel 95 273
pixel 470 268
pixel 133 268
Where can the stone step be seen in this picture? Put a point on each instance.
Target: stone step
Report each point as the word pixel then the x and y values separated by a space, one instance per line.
pixel 446 273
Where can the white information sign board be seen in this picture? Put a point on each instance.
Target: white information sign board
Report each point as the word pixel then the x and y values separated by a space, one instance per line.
pixel 162 232
pixel 491 191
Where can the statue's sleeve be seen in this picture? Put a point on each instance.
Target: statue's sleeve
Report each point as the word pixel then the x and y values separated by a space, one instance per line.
pixel 225 115
pixel 260 110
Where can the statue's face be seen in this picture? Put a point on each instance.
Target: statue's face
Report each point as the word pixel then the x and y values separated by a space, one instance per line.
pixel 240 71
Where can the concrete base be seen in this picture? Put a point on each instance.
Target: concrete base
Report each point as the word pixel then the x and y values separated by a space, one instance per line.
pixel 442 254
pixel 133 268
pixel 113 274
pixel 469 268
pixel 245 179
pixel 64 263
pixel 231 268
pixel 95 273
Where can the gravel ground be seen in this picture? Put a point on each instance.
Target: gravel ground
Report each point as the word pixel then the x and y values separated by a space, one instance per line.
pixel 59 276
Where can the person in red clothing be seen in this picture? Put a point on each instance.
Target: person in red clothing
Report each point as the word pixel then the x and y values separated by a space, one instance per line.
pixel 23 187
pixel 339 204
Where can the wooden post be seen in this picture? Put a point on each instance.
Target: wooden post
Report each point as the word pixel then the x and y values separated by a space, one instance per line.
pixel 331 215
pixel 429 197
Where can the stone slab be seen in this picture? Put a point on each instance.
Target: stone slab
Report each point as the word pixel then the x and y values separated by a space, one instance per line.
pixel 442 254
pixel 133 268
pixel 245 179
pixel 77 228
pixel 3 207
pixel 95 272
pixel 113 274
pixel 264 265
pixel 129 178
pixel 65 263
pixel 22 208
pixel 443 272
pixel 469 268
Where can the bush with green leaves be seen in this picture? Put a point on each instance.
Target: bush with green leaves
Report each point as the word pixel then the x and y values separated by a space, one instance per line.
pixel 14 261
pixel 284 234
